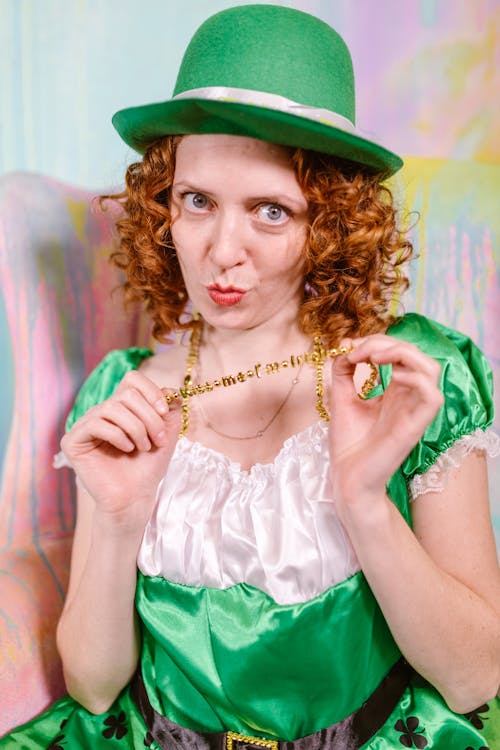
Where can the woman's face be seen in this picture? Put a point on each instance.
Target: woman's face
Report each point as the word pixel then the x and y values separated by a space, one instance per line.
pixel 239 225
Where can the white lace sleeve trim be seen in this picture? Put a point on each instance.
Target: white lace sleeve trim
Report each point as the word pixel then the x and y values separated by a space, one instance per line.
pixel 435 478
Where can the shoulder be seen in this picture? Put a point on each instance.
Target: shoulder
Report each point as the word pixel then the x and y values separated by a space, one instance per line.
pixel 466 382
pixel 167 366
pixel 435 339
pixel 104 378
pixel 463 364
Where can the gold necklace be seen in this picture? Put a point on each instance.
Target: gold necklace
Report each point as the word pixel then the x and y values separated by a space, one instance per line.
pixel 264 429
pixel 317 358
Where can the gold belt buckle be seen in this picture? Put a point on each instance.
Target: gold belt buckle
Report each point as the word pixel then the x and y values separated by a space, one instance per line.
pixel 249 740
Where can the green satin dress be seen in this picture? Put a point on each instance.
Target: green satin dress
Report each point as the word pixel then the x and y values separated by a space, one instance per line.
pixel 231 658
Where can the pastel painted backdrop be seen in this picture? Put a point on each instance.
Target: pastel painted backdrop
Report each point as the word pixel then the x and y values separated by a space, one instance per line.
pixel 427 77
pixel 427 82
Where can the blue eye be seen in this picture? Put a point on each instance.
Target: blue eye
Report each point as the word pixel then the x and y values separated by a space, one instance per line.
pixel 272 213
pixel 196 201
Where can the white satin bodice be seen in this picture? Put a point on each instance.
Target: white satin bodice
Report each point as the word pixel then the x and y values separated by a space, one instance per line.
pixel 274 527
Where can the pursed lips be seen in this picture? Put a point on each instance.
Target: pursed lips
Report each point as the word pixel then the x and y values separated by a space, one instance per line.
pixel 227 296
pixel 225 289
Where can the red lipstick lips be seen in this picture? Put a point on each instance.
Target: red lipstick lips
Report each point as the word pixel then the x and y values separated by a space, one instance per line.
pixel 225 296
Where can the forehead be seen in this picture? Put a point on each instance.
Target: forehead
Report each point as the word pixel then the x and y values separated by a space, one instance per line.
pixel 206 153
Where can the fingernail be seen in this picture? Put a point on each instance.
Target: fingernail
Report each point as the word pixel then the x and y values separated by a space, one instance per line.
pixel 161 437
pixel 146 444
pixel 161 406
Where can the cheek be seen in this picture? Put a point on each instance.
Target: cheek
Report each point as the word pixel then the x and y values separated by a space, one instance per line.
pixel 287 274
pixel 176 234
pixel 182 246
pixel 297 255
pixel 185 264
pixel 286 262
pixel 189 238
pixel 188 271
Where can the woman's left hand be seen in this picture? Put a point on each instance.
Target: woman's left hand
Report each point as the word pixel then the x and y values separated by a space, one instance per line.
pixel 447 562
pixel 369 439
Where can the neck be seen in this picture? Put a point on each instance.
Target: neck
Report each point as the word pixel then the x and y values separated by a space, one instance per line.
pixel 229 349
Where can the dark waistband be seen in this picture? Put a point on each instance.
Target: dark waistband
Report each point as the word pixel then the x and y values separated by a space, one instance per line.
pixel 348 734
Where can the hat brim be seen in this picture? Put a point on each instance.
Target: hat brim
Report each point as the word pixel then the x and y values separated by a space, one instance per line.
pixel 139 127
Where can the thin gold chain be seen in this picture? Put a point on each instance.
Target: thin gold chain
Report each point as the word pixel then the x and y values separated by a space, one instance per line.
pixel 264 429
pixel 317 358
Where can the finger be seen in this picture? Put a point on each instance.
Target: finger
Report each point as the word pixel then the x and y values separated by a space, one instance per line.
pixel 386 350
pixel 173 396
pixel 342 390
pixel 383 350
pixel 343 366
pixel 154 423
pixel 356 374
pixel 348 412
pixel 418 389
pixel 151 392
pixel 82 437
pixel 173 417
pixel 118 414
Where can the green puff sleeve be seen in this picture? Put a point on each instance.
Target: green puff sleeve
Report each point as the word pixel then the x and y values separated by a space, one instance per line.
pixel 466 382
pixel 103 380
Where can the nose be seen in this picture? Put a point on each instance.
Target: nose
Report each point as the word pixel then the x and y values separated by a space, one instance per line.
pixel 227 246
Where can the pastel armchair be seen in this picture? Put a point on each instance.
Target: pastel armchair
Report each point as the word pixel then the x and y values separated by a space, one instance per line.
pixel 60 312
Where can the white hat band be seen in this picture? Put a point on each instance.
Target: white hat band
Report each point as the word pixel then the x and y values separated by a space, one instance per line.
pixel 269 101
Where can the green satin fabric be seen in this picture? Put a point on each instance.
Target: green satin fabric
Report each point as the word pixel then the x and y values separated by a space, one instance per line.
pixel 421 720
pixel 216 658
pixel 103 380
pixel 234 659
pixel 68 726
pixel 466 381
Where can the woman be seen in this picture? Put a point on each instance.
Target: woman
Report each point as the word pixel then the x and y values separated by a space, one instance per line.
pixel 287 589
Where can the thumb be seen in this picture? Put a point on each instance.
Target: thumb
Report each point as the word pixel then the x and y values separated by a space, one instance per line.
pixel 173 417
pixel 342 384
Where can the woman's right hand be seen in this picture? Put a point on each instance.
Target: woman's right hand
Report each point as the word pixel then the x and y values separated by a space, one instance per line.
pixel 120 450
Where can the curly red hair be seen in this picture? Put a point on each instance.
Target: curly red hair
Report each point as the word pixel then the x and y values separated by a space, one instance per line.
pixel 354 252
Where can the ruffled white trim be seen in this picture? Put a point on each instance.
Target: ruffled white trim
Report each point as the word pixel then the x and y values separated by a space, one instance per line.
pixel 274 527
pixel 436 478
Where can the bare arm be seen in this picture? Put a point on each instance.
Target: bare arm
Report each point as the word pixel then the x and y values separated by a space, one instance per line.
pixel 441 600
pixel 120 450
pixel 439 585
pixel 97 634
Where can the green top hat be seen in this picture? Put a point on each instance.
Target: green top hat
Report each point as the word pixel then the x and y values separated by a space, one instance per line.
pixel 267 72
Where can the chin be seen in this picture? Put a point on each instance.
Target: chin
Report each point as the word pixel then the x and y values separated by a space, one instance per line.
pixel 229 318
